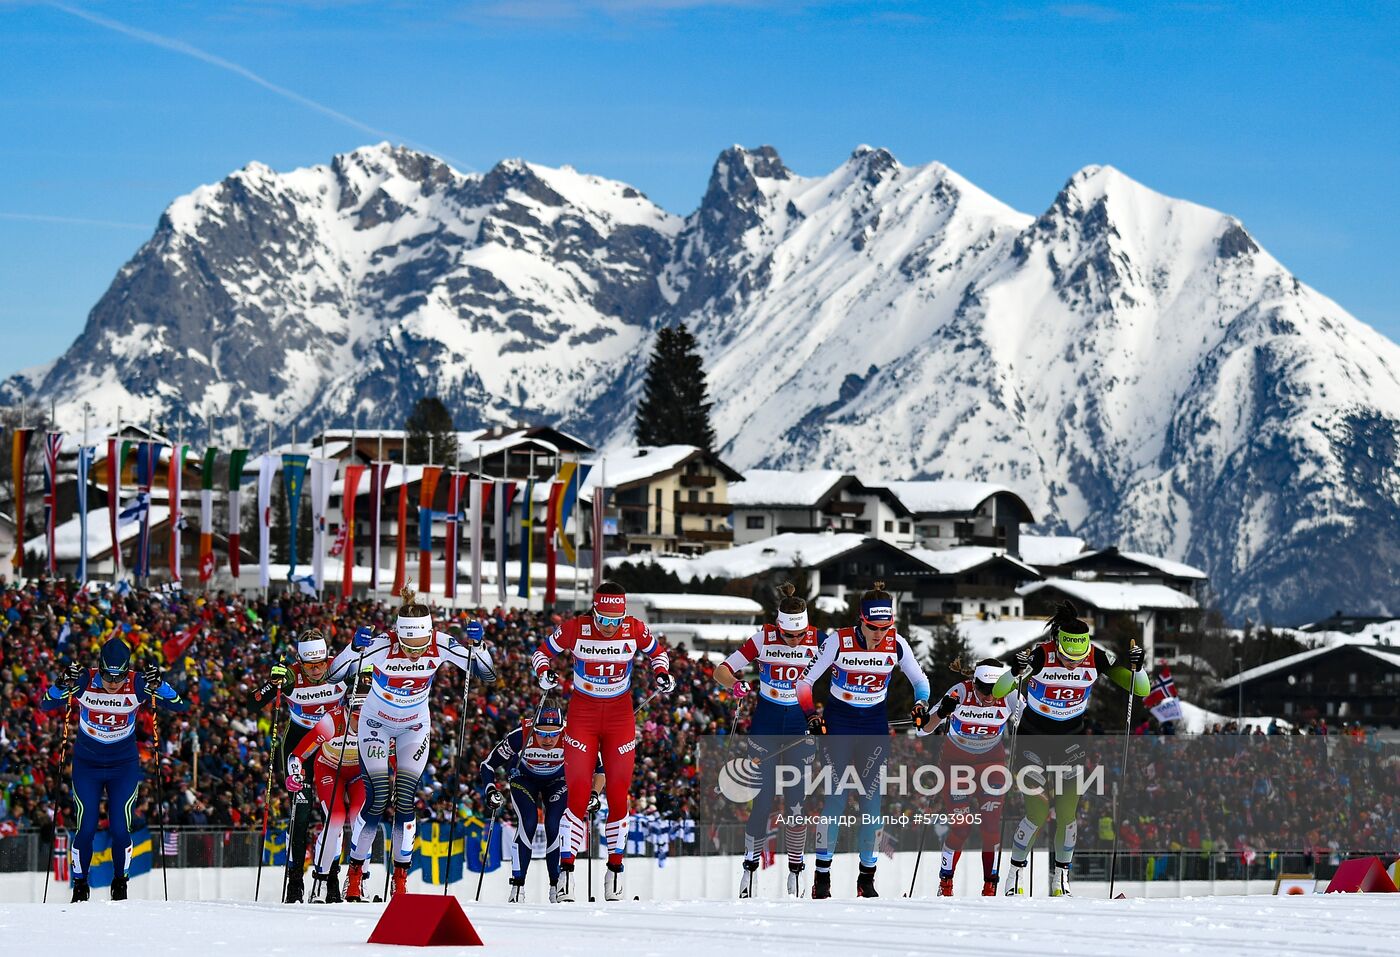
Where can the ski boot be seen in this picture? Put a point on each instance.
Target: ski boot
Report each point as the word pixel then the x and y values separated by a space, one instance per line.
pixel 821 885
pixel 119 888
pixel 945 884
pixel 865 884
pixel 554 893
pixel 563 891
pixel 794 880
pixel 355 882
pixel 746 881
pixel 399 883
pixel 330 881
pixel 1059 881
pixel 296 889
pixel 989 887
pixel 517 890
pixel 612 882
pixel 81 891
pixel 1013 880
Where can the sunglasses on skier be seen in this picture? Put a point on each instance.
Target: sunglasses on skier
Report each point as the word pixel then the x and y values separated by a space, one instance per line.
pixel 608 622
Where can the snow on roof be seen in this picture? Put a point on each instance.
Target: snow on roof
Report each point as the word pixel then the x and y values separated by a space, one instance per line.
pixel 1050 549
pixel 996 638
pixel 1282 664
pixel 944 495
pixel 681 601
pixel 1115 596
pixel 780 551
pixel 953 561
pixel 782 489
pixel 1195 719
pixel 1165 565
pixel 67 536
pixel 676 632
pixel 637 464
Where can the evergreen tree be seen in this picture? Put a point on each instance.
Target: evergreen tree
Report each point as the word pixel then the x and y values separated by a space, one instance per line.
pixel 304 532
pixel 675 405
pixel 430 420
pixel 948 646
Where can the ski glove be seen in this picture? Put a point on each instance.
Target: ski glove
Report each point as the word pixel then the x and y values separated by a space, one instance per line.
pixel 281 675
pixel 474 633
pixel 153 680
pixel 1137 655
pixel 594 802
pixel 71 677
pixel 364 637
pixel 665 683
pixel 948 705
pixel 1023 660
pixel 919 714
pixel 816 724
pixel 740 690
pixel 495 798
pixel 548 679
pixel 296 776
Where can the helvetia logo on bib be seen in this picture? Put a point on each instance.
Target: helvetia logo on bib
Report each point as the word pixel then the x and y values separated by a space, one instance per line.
pixel 739 780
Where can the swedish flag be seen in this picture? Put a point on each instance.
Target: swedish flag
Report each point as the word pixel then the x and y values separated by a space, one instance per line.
pixel 100 870
pixel 481 842
pixel 275 848
pixel 434 858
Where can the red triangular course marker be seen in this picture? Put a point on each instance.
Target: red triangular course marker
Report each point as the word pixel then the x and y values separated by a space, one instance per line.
pixel 1121 897
pixel 424 920
pixel 1362 875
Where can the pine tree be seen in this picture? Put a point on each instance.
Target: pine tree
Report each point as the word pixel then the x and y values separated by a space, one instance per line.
pixel 430 420
pixel 304 532
pixel 948 646
pixel 675 405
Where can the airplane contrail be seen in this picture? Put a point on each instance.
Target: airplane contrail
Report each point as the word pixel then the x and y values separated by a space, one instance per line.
pixel 180 46
pixel 72 221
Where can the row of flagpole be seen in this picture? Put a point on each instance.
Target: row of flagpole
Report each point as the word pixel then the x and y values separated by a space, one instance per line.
pixel 468 497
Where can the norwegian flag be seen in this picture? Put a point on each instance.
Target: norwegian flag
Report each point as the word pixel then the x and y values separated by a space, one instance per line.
pixel 1162 701
pixel 53 442
pixel 60 856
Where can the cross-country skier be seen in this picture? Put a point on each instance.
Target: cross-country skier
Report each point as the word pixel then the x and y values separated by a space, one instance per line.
pixel 405 661
pixel 336 777
pixel 975 723
pixel 861 660
pixel 105 757
pixel 308 693
pixel 1063 671
pixel 601 716
pixel 782 651
pixel 527 766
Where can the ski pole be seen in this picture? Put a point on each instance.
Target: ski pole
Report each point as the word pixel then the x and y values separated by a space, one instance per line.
pixel 53 844
pixel 923 833
pixel 1122 776
pixel 160 792
pixel 1011 760
pixel 267 796
pixel 457 785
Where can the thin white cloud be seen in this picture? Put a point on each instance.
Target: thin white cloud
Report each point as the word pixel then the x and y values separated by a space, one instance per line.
pixel 73 221
pixel 180 46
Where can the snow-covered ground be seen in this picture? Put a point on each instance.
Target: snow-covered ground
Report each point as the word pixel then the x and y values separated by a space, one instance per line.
pixel 1348 925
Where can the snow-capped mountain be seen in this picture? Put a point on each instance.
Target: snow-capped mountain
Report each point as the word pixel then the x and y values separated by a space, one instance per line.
pixel 1136 366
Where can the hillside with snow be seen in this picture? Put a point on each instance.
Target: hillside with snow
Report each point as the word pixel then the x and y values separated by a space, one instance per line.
pixel 1137 367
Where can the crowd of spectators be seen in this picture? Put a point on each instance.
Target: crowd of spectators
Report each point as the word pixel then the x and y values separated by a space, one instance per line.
pixel 214 760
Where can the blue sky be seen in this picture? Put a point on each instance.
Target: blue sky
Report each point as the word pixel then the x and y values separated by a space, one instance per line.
pixel 1282 114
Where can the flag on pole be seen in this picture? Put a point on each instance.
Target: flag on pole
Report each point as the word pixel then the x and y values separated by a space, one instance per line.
pixel 53 444
pixel 401 554
pixel 347 513
pixel 236 460
pixel 577 475
pixel 174 483
pixel 600 531
pixel 426 488
pixel 477 498
pixel 206 515
pixel 527 539
pixel 454 507
pixel 147 462
pixel 267 470
pixel 114 503
pixel 551 530
pixel 293 477
pixel 86 454
pixel 505 497
pixel 322 477
pixel 18 451
pixel 378 477
pixel 1162 701
pixel 60 856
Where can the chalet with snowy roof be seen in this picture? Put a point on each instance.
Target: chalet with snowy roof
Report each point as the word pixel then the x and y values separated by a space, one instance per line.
pixel 1113 565
pixel 670 498
pixel 708 624
pixel 949 512
pixel 967 582
pixel 1156 609
pixel 775 501
pixel 1343 682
